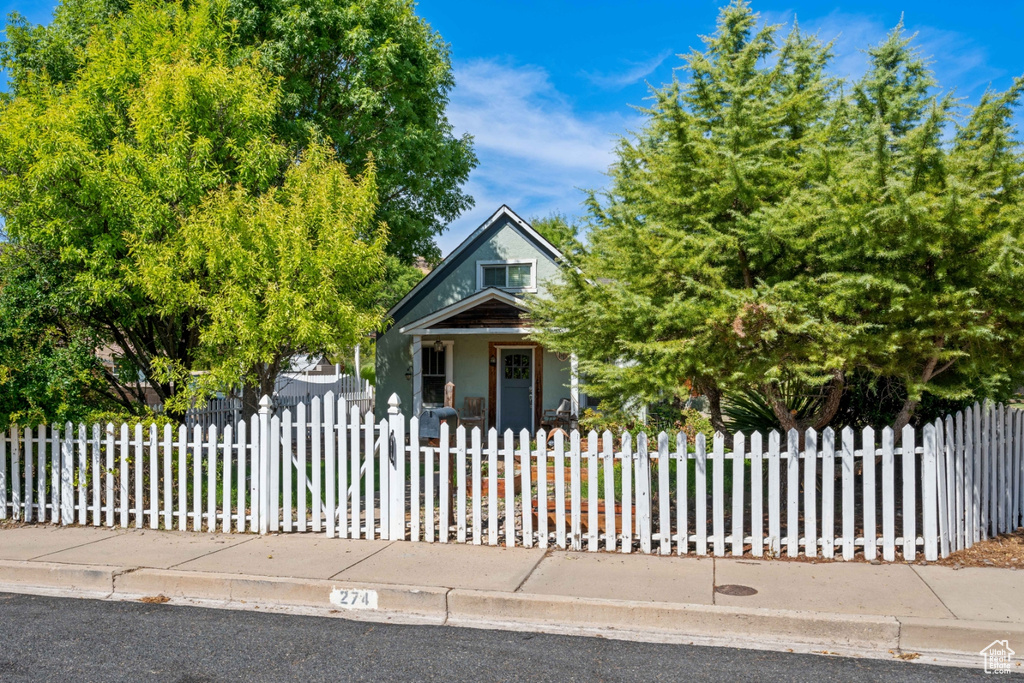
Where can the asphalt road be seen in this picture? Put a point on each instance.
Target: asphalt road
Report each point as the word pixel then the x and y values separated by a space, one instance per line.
pixel 59 639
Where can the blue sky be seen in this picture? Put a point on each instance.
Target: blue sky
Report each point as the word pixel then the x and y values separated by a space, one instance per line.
pixel 545 87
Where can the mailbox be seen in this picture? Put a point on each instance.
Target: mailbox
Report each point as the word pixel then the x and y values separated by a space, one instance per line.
pixel 430 421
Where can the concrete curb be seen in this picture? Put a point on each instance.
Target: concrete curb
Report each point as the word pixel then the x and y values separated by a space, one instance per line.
pixel 958 636
pixel 954 640
pixel 765 626
pixel 80 578
pixel 421 603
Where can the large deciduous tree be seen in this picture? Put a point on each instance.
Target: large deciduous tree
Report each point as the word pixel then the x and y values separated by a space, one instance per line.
pixel 369 75
pixel 164 123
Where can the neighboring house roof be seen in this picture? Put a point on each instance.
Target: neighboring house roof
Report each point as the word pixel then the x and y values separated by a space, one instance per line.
pixel 499 219
pixel 478 302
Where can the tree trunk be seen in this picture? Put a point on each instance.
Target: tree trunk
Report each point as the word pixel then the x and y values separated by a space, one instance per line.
pixel 820 419
pixel 709 388
pixel 265 376
pixel 903 417
pixel 250 401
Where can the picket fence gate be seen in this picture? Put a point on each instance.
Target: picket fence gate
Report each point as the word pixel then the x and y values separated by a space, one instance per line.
pixel 332 468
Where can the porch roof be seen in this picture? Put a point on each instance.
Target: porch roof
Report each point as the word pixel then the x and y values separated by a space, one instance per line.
pixel 490 310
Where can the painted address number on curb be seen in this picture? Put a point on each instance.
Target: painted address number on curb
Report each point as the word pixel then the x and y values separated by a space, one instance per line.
pixel 354 598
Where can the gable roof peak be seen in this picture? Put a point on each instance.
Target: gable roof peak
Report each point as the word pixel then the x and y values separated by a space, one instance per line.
pixel 503 212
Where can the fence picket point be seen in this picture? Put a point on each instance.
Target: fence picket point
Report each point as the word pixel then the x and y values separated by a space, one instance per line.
pixel 286 470
pixel 643 492
pixel 908 457
pixel 109 508
pixel 356 422
pixel 414 479
pixel 739 453
pixel 492 486
pixel 828 489
pixel 154 477
pixel 330 479
pixel 793 493
pixel 810 489
pixel 29 466
pixel 664 496
pixel 460 484
pixel 700 496
pixel 593 489
pixel 477 460
pixel 560 489
pixel 608 458
pixel 243 455
pixel 756 495
pixel 868 495
pixel 627 492
pixel 574 483
pixel 445 497
pixel 718 493
pixel 226 480
pixel 211 479
pixel 943 454
pixel 929 483
pixel 527 493
pixel 849 448
pixel 509 477
pixel 682 475
pixel 888 495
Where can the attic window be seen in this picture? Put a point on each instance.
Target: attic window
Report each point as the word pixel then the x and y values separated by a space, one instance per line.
pixel 516 276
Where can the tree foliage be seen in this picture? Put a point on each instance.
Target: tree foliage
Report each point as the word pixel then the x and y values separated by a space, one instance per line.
pixel 368 75
pixel 769 232
pixel 162 140
pixel 294 270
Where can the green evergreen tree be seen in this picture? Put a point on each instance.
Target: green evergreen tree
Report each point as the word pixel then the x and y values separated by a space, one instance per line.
pixel 684 282
pixel 768 234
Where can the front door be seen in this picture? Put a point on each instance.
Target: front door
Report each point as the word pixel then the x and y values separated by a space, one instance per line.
pixel 515 390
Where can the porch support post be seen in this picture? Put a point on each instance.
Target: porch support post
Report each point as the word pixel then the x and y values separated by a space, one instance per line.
pixel 417 375
pixel 574 385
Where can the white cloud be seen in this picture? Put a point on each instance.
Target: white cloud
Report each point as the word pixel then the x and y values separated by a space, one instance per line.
pixel 636 71
pixel 537 152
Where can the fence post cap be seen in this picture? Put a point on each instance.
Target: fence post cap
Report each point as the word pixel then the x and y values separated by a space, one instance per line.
pixel 393 404
pixel 265 404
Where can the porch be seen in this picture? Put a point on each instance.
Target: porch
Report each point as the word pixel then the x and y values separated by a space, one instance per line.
pixel 480 345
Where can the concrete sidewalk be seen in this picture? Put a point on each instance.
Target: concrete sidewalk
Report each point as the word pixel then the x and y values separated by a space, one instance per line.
pixel 887 610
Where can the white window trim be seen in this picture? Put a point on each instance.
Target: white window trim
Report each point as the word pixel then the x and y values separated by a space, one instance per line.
pixel 417 364
pixel 532 262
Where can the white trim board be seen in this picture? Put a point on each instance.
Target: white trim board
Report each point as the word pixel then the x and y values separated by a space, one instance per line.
pixel 532 262
pixel 489 294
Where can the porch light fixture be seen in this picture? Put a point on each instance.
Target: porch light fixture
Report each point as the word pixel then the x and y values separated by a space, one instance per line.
pixel 493 360
pixel 408 374
pixel 439 346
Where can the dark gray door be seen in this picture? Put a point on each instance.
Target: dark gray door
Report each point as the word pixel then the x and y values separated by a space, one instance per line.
pixel 516 390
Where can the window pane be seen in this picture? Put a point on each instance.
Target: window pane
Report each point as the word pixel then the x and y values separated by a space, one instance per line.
pixel 519 276
pixel 433 389
pixel 494 276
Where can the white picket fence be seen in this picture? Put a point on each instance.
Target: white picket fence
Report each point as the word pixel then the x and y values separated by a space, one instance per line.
pixel 331 468
pixel 228 411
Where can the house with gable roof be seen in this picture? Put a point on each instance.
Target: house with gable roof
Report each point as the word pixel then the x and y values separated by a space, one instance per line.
pixel 466 323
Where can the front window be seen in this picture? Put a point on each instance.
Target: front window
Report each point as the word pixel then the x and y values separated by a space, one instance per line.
pixel 507 275
pixel 433 376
